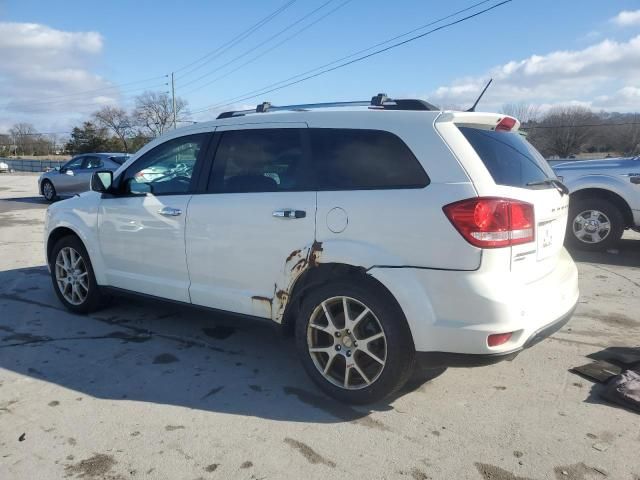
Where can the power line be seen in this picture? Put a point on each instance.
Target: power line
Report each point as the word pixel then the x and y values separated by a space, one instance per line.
pixel 34 106
pixel 263 53
pixel 309 75
pixel 252 49
pixel 91 92
pixel 234 41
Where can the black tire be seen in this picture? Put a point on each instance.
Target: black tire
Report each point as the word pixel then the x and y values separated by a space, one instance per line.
pixel 94 299
pixel 49 197
pixel 400 350
pixel 609 210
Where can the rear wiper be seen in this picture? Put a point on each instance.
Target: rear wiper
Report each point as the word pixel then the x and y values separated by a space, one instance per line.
pixel 554 182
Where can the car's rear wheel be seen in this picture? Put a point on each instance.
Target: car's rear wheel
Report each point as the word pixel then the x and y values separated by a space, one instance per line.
pixel 594 224
pixel 72 274
pixel 48 191
pixel 354 341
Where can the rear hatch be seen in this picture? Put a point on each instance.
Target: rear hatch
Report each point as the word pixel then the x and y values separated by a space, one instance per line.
pixel 503 164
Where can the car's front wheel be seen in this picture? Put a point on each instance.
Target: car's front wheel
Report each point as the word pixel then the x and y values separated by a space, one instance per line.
pixel 354 341
pixel 72 274
pixel 48 191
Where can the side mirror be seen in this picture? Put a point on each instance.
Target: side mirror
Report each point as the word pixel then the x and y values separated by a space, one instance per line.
pixel 101 181
pixel 61 169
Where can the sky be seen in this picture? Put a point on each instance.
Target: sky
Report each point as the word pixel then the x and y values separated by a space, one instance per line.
pixel 61 61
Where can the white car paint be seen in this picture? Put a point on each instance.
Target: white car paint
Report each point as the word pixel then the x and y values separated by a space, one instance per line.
pixel 228 252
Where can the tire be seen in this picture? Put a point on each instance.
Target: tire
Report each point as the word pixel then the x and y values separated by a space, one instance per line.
pixel 89 298
pixel 48 191
pixel 394 348
pixel 599 212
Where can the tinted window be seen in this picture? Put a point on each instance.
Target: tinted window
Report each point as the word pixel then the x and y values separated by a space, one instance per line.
pixel 93 162
pixel 119 160
pixel 261 160
pixel 510 159
pixel 347 159
pixel 167 169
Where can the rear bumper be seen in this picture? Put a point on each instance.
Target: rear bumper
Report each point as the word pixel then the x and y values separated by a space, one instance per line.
pixel 446 359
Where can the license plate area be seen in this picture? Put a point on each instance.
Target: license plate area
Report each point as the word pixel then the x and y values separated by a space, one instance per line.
pixel 549 239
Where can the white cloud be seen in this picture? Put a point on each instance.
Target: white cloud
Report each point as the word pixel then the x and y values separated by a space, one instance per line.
pixel 627 18
pixel 606 70
pixel 41 71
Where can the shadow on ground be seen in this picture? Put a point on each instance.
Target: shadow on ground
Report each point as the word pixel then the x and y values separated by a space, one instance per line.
pixel 625 254
pixel 155 352
pixel 22 203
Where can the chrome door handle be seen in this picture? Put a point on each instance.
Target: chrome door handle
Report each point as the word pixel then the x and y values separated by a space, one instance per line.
pixel 289 213
pixel 170 212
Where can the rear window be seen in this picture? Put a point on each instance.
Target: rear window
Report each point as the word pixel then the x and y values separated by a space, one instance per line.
pixel 353 159
pixel 510 159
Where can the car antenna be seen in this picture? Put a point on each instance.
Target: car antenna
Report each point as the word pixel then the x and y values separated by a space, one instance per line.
pixel 473 108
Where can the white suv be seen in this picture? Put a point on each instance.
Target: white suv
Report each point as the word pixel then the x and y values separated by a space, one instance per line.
pixel 383 233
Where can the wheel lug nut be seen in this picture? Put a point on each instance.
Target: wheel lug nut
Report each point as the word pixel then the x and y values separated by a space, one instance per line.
pixel 338 334
pixel 338 347
pixel 348 353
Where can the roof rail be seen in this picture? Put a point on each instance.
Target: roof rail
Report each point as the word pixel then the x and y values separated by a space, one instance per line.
pixel 380 101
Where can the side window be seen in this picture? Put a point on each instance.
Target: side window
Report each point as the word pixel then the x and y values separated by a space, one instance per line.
pixel 352 159
pixel 74 163
pixel 93 162
pixel 261 160
pixel 167 169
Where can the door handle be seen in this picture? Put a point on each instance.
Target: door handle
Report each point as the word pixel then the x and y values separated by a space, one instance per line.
pixel 170 212
pixel 289 213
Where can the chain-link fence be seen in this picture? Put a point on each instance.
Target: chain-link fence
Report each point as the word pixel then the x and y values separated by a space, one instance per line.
pixel 26 165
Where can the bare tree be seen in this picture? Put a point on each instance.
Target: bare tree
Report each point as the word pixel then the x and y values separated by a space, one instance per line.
pixel 525 112
pixel 564 130
pixel 117 120
pixel 154 112
pixel 24 136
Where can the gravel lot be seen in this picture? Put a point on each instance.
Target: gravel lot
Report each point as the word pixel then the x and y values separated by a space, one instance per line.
pixel 147 390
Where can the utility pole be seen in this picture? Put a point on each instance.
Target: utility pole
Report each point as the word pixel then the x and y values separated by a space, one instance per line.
pixel 173 100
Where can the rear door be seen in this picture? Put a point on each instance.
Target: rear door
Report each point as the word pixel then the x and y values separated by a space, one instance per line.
pixel 259 208
pixel 515 167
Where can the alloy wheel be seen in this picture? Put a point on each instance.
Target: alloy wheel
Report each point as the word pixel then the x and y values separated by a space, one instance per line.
pixel 591 226
pixel 47 190
pixel 72 277
pixel 347 343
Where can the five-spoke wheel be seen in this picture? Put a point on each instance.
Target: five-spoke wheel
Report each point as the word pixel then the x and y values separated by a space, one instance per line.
pixel 347 342
pixel 72 276
pixel 354 341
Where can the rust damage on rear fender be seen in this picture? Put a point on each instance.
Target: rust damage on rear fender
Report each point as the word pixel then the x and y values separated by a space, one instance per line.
pixel 296 263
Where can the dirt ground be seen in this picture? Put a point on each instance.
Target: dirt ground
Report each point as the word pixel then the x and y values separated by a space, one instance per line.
pixel 146 390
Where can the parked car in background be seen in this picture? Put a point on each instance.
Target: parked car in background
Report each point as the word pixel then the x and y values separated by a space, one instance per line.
pixel 74 176
pixel 4 167
pixel 382 233
pixel 605 200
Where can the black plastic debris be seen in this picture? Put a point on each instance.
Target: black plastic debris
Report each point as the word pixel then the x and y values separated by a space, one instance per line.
pixel 600 371
pixel 22 437
pixel 624 390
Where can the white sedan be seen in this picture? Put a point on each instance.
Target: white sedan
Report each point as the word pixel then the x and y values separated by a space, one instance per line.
pixel 4 167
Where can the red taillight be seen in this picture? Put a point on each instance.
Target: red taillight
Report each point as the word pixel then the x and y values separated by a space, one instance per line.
pixel 506 124
pixel 489 222
pixel 498 339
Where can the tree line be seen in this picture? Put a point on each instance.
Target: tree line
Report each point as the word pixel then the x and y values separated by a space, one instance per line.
pixel 110 128
pixel 566 131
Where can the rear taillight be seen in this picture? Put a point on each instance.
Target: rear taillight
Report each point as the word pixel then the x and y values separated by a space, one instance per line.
pixel 489 222
pixel 498 339
pixel 505 124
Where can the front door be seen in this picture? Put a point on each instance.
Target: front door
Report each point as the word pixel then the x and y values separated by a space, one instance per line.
pixel 141 229
pixel 259 209
pixel 66 181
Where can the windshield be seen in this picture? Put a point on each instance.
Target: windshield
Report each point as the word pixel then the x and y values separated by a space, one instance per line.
pixel 509 157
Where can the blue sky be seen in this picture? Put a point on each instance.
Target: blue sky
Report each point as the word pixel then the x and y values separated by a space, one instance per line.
pixel 105 43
